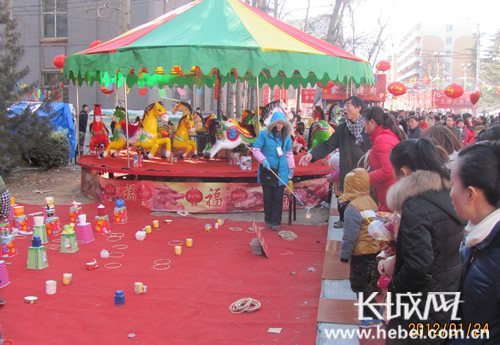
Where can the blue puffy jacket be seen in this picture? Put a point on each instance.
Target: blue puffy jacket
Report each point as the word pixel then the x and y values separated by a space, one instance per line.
pixel 268 145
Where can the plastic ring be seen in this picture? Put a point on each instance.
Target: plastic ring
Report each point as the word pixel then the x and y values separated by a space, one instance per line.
pixel 57 240
pixel 175 243
pixel 235 228
pixel 113 265
pixel 53 246
pixel 117 255
pixel 164 267
pixel 20 237
pixel 120 246
pixel 160 261
pixel 113 239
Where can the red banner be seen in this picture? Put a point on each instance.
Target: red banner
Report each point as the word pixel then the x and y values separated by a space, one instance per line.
pixel 440 100
pixel 373 93
pixel 196 197
pixel 307 96
pixel 266 92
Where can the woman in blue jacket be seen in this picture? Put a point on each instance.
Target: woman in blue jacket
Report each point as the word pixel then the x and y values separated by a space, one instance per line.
pixel 273 150
pixel 475 193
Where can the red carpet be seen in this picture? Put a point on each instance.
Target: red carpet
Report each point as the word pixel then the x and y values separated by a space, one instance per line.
pixel 187 304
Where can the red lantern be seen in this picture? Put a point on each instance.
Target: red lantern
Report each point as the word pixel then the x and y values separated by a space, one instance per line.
pixel 194 196
pixel 396 88
pixel 454 91
pixel 474 97
pixel 143 193
pixel 329 85
pixel 94 44
pixel 383 66
pixel 59 61
pixel 238 195
pixel 107 91
pixel 143 91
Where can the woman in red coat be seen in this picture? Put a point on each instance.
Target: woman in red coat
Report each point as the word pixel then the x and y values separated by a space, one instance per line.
pixel 384 133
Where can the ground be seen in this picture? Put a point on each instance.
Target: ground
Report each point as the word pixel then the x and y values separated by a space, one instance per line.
pixel 31 186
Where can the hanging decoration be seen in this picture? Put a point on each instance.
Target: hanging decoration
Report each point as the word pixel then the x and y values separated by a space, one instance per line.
pixel 383 66
pixel 95 44
pixel 329 85
pixel 396 88
pixel 474 97
pixel 454 91
pixel 58 61
pixel 107 91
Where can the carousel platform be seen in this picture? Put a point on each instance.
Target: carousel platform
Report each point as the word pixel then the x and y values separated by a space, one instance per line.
pixel 189 168
pixel 193 185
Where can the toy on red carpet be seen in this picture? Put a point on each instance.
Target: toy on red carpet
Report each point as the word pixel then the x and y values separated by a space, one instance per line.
pixel 120 212
pixel 37 255
pixel 98 131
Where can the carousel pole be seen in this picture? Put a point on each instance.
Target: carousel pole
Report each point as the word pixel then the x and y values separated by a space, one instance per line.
pixel 126 119
pixel 258 104
pixel 219 115
pixel 77 153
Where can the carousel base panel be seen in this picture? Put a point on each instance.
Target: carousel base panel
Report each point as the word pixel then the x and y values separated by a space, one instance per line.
pixel 193 185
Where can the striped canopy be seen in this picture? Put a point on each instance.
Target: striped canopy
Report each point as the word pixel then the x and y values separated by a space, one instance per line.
pixel 207 39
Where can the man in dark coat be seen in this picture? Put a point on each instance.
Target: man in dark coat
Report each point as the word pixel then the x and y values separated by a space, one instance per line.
pixel 351 140
pixel 414 129
pixel 82 126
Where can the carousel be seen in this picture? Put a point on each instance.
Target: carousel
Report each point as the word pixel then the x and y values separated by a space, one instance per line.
pixel 198 164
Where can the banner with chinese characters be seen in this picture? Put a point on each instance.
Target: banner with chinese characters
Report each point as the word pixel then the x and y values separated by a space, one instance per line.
pixel 441 101
pixel 307 95
pixel 196 197
pixel 373 93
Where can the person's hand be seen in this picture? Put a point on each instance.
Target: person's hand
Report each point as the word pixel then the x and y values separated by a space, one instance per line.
pixel 388 247
pixel 266 164
pixel 290 173
pixel 305 159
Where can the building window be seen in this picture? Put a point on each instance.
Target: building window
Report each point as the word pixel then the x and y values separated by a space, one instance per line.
pixel 55 18
pixel 51 83
pixel 448 40
pixel 449 27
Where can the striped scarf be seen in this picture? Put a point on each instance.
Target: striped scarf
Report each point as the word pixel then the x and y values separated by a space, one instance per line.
pixel 356 129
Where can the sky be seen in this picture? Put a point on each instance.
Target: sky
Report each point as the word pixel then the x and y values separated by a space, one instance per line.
pixel 406 13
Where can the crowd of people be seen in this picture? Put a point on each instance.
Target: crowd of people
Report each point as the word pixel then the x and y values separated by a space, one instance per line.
pixel 437 176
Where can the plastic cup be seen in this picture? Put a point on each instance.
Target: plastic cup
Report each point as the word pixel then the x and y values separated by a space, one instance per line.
pixel 67 277
pixel 148 229
pixel 178 250
pixel 50 287
pixel 82 219
pixel 156 223
pixel 38 220
pixel 189 242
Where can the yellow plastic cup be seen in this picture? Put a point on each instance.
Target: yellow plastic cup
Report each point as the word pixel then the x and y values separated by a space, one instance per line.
pixel 178 250
pixel 189 242
pixel 156 223
pixel 148 229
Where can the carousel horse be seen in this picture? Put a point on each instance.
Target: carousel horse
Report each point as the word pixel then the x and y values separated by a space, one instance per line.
pixel 229 134
pixel 98 130
pixel 147 137
pixel 319 132
pixel 186 109
pixel 181 137
pixel 267 111
pixel 299 142
pixel 118 138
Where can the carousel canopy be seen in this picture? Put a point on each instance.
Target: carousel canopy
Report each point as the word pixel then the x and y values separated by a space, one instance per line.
pixel 207 39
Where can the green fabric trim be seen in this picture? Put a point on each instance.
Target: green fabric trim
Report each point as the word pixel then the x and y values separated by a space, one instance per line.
pixel 297 68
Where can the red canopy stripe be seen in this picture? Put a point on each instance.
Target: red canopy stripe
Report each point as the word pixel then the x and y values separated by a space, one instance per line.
pixel 130 36
pixel 312 41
